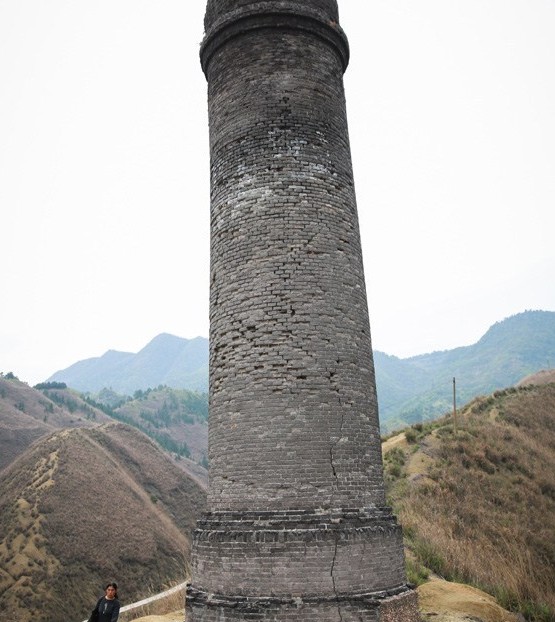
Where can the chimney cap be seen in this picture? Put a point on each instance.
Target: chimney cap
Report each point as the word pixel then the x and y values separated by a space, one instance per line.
pixel 219 9
pixel 225 19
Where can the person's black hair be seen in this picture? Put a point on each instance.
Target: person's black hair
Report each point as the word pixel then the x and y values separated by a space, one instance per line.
pixel 114 585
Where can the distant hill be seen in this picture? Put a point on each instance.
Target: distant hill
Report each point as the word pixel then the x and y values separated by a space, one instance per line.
pixel 414 389
pixel 166 360
pixel 421 387
pixel 83 506
pixel 89 501
pixel 478 504
pixel 26 414
pixel 544 376
pixel 176 418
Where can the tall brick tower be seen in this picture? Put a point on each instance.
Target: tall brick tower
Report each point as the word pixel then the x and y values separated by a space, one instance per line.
pixel 297 528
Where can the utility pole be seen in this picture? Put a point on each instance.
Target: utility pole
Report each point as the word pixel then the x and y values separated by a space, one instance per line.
pixel 455 403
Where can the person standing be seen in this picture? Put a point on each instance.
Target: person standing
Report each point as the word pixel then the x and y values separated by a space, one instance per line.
pixel 107 607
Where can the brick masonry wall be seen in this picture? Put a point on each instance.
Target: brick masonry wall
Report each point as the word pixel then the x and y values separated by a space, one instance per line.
pixel 296 554
pixel 378 608
pixel 216 10
pixel 293 411
pixel 275 611
pixel 296 528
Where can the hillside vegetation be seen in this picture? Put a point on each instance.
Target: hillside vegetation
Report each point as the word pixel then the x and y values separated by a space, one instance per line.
pixel 176 419
pixel 82 506
pixel 26 414
pixel 419 388
pixel 478 504
pixel 410 390
pixel 84 498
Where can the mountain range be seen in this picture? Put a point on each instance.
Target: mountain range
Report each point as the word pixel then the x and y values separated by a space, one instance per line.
pixel 166 360
pixel 85 498
pixel 412 389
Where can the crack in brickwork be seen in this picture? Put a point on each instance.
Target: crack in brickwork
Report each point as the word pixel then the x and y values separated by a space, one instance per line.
pixel 334 445
pixel 333 578
pixel 334 388
pixel 332 460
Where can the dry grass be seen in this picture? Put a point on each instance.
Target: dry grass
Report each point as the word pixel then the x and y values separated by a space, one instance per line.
pixel 484 513
pixel 445 601
pixel 86 506
pixel 26 414
pixel 24 554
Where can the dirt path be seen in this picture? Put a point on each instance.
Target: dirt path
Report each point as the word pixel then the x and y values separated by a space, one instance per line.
pixel 400 440
pixel 129 479
pixel 442 601
pixel 176 616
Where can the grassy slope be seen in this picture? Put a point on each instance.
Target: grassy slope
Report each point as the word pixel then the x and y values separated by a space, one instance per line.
pixel 478 506
pixel 174 418
pixel 84 506
pixel 26 414
pixel 174 414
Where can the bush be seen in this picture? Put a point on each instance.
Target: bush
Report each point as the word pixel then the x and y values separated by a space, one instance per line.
pixel 50 385
pixel 417 574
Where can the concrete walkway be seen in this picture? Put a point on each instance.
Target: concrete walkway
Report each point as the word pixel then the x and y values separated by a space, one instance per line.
pixel 151 599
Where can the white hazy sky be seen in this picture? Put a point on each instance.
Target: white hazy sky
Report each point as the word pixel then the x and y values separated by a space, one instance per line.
pixel 104 172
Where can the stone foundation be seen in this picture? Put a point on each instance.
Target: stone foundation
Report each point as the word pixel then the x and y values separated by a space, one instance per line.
pixel 393 606
pixel 346 564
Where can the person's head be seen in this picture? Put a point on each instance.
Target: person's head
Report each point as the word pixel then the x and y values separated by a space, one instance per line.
pixel 111 591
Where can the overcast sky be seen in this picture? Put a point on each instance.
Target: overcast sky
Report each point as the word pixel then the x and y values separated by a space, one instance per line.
pixel 104 172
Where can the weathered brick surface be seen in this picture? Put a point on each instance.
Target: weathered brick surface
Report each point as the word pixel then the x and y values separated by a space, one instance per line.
pixel 297 528
pixel 357 608
pixel 298 553
pixel 293 410
pixel 222 11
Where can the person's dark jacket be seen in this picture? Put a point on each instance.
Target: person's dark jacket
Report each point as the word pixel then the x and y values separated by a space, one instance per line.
pixel 105 610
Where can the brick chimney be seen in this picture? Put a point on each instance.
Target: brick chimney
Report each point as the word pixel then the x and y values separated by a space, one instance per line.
pixel 297 528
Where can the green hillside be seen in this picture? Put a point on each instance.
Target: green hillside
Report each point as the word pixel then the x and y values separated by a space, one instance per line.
pixel 409 390
pixel 511 349
pixel 26 414
pixel 477 504
pixel 177 419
